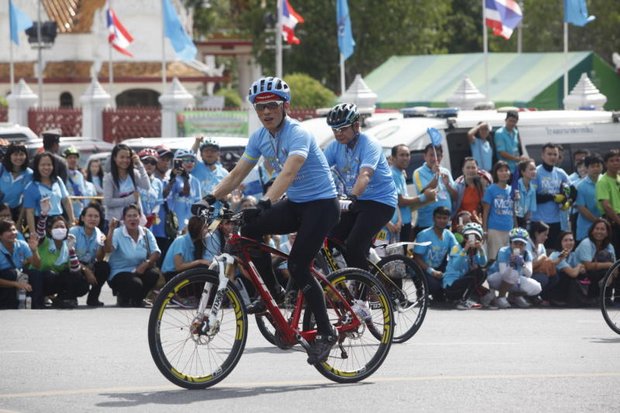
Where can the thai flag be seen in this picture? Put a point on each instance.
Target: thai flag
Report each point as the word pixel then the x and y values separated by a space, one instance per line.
pixel 290 18
pixel 119 37
pixel 503 16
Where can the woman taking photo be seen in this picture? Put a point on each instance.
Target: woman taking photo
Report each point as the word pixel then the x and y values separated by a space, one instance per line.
pixel 133 255
pixel 121 184
pixel 46 186
pixel 14 177
pixel 571 274
pixel 89 240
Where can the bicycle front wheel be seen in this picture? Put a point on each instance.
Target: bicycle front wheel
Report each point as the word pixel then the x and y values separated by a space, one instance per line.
pixel 408 291
pixel 359 353
pixel 186 349
pixel 610 297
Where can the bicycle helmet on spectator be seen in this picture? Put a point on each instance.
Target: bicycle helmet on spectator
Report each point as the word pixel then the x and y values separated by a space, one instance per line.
pixel 148 153
pixel 71 150
pixel 209 143
pixel 184 153
pixel 473 228
pixel 342 115
pixel 271 87
pixel 518 235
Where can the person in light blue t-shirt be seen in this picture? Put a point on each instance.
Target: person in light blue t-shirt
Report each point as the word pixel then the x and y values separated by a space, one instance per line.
pixel 15 176
pixel 550 181
pixel 481 149
pixel 433 258
pixel 183 188
pixel 363 174
pixel 310 208
pixel 210 171
pixel 507 143
pixel 586 203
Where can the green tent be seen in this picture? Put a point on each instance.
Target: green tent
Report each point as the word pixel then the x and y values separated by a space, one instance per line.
pixel 531 80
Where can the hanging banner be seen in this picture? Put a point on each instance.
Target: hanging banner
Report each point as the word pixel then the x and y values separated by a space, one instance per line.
pixel 232 123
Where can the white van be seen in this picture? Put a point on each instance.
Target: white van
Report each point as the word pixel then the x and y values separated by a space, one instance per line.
pixel 598 131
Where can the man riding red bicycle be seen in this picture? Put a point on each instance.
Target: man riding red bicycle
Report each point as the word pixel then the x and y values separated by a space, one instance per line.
pixel 310 207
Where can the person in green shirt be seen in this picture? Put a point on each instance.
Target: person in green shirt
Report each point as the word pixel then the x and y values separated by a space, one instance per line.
pixel 54 251
pixel 608 195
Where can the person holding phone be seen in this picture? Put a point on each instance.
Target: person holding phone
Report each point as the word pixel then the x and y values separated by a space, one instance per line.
pixel 512 271
pixel 183 189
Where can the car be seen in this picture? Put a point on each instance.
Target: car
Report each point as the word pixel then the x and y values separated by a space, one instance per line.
pixel 85 146
pixel 16 133
pixel 231 148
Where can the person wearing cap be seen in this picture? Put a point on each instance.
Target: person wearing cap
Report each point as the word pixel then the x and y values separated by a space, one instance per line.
pixel 209 172
pixel 465 270
pixel 75 182
pixel 512 272
pixel 310 207
pixel 51 144
pixel 183 189
pixel 162 169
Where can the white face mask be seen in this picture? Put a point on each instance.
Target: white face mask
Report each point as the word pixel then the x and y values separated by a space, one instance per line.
pixel 59 233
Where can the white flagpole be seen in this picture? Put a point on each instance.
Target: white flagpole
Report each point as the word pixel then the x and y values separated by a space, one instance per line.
pixel 342 75
pixel 279 40
pixel 485 41
pixel 110 64
pixel 565 59
pixel 12 70
pixel 163 49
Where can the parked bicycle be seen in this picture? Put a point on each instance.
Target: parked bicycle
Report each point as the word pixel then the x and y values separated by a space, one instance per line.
pixel 198 325
pixel 610 297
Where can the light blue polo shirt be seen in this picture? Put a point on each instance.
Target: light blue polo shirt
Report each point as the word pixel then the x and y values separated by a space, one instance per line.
pixel 183 246
pixel 586 197
pixel 182 205
pixel 13 188
pixel 527 199
pixel 36 190
pixel 208 178
pixel 21 252
pixel 400 183
pixel 507 141
pixel 128 254
pixel 434 254
pixel 548 183
pixel 86 247
pixel 366 153
pixel 314 180
pixel 421 177
pixel 570 261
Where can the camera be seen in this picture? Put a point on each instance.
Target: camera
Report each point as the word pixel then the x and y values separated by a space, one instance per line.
pixel 178 164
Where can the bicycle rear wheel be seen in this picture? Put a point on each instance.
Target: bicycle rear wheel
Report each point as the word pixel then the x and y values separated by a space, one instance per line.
pixel 610 297
pixel 186 356
pixel 408 291
pixel 359 353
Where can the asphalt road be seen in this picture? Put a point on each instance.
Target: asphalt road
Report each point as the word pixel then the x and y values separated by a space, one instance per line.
pixel 535 360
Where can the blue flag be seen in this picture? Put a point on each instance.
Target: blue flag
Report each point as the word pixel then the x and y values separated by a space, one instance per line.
pixel 346 44
pixel 576 12
pixel 435 136
pixel 19 22
pixel 181 42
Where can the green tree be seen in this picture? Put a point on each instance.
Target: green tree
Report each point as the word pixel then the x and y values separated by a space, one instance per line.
pixel 308 92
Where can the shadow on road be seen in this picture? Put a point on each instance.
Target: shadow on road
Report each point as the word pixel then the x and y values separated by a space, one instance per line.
pixel 605 340
pixel 186 397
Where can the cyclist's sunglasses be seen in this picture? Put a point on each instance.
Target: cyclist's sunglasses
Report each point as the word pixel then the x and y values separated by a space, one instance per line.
pixel 341 129
pixel 273 105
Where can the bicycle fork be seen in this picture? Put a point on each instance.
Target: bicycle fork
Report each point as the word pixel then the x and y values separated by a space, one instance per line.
pixel 210 326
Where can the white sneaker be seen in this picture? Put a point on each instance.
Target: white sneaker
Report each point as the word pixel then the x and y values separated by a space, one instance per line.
pixel 519 301
pixel 502 302
pixel 467 305
pixel 487 299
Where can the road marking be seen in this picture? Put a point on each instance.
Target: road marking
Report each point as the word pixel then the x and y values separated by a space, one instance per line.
pixel 288 383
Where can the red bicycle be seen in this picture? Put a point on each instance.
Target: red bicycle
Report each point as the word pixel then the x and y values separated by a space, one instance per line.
pixel 198 325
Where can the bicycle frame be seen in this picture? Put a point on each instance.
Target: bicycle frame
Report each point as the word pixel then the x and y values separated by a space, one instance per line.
pixel 289 332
